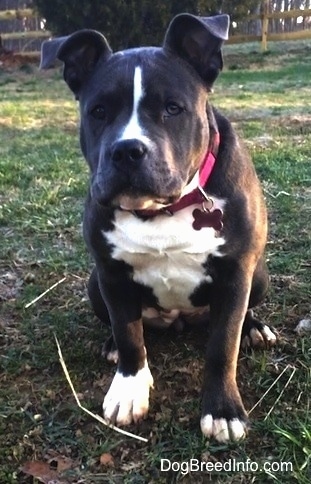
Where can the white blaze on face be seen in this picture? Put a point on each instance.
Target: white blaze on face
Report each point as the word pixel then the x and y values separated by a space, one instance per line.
pixel 134 129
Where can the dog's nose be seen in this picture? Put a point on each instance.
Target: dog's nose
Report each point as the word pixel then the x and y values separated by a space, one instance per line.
pixel 128 150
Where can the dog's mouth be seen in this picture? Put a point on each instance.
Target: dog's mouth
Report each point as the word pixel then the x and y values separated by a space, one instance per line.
pixel 130 203
pixel 152 203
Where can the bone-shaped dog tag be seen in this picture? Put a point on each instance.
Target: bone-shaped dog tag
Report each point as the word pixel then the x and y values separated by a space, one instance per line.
pixel 204 218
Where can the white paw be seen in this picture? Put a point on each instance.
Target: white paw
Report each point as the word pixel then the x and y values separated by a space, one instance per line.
pixel 259 338
pixel 268 335
pixel 113 356
pixel 127 399
pixel 223 430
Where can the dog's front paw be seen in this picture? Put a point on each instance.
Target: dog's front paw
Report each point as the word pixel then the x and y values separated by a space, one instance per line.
pixel 223 417
pixel 223 430
pixel 127 399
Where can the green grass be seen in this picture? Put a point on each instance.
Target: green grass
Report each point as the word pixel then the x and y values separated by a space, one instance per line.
pixel 43 181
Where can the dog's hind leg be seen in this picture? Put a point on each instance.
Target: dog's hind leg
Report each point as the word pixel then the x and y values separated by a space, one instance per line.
pixel 97 302
pixel 109 350
pixel 255 333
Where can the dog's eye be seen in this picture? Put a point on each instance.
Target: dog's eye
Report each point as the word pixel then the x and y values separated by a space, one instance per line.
pixel 173 109
pixel 98 112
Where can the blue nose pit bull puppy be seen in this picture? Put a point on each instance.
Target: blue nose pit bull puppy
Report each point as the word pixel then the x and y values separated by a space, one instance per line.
pixel 175 218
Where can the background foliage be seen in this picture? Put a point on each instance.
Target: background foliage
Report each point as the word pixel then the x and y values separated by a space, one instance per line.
pixel 128 23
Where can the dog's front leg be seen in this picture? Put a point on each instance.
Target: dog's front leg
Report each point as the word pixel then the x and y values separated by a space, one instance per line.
pixel 127 399
pixel 223 413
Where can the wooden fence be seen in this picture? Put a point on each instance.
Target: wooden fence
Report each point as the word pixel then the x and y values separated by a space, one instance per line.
pixel 268 36
pixel 28 36
pixel 24 38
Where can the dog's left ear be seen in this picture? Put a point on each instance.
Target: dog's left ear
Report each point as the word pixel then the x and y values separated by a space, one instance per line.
pixel 198 40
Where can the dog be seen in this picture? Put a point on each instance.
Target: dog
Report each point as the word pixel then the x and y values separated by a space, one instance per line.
pixel 175 218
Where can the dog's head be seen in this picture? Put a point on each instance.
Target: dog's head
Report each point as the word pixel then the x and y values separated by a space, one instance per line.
pixel 144 127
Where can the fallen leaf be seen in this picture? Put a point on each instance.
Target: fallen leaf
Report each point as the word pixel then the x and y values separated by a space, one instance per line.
pixel 106 460
pixel 41 471
pixel 303 327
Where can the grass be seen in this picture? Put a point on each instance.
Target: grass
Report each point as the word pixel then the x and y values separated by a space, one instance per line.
pixel 43 181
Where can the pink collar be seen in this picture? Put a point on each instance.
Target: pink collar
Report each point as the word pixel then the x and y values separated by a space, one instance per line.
pixel 197 195
pixel 207 217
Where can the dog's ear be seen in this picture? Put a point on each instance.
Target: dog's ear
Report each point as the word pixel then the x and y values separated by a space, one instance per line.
pixel 80 53
pixel 198 40
pixel 49 49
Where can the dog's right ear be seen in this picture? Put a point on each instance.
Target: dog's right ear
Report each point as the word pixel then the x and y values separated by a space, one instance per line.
pixel 80 53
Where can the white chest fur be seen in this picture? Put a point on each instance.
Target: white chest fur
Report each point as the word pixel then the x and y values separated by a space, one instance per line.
pixel 166 253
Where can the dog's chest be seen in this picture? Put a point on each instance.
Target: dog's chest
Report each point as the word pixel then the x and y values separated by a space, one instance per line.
pixel 166 254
